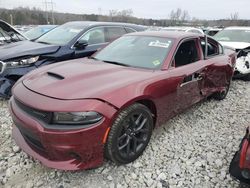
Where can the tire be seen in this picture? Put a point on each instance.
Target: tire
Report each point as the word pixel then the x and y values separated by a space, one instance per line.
pixel 129 134
pixel 221 94
pixel 246 77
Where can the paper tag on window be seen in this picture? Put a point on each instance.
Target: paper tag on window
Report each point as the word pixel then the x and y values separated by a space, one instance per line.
pixel 159 44
pixel 156 62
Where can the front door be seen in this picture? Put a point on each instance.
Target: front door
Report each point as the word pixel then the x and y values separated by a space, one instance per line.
pixel 96 39
pixel 190 68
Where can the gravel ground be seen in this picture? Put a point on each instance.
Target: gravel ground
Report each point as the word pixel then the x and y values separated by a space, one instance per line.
pixel 194 149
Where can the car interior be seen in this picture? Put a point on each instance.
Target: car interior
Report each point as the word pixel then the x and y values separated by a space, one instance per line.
pixel 186 54
pixel 211 48
pixel 96 37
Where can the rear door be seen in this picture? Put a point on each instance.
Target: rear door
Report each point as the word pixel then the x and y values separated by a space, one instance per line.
pixel 115 32
pixel 217 67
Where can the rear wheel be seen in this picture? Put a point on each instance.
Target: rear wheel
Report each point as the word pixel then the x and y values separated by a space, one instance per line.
pixel 129 134
pixel 246 77
pixel 220 95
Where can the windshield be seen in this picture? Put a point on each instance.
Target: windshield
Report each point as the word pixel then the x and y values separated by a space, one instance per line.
pixel 37 32
pixel 137 51
pixel 233 36
pixel 61 35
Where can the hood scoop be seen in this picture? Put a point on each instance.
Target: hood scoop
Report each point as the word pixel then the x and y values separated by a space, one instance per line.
pixel 55 75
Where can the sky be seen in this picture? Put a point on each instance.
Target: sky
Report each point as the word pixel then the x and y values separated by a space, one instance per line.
pixel 156 9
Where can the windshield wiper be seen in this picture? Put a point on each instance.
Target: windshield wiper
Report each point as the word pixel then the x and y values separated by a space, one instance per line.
pixel 117 63
pixel 90 57
pixel 42 42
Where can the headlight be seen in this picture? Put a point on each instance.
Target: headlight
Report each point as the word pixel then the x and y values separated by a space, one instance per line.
pixel 23 62
pixel 76 118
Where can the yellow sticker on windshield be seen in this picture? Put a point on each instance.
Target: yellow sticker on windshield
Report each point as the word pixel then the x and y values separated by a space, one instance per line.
pixel 156 62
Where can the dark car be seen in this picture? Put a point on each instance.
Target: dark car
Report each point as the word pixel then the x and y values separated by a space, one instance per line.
pixel 78 111
pixel 69 41
pixel 9 34
pixel 38 31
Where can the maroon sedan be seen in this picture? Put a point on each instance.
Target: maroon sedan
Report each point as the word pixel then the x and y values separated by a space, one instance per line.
pixel 72 114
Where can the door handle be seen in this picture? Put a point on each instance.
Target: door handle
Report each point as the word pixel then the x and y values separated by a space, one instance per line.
pixel 199 76
pixel 186 80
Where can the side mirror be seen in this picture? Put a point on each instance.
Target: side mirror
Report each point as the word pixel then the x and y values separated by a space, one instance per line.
pixel 81 44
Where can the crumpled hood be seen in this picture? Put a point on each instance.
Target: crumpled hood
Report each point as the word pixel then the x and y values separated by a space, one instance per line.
pixel 8 29
pixel 236 45
pixel 25 48
pixel 83 78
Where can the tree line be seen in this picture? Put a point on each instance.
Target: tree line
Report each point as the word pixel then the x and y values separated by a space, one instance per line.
pixel 179 17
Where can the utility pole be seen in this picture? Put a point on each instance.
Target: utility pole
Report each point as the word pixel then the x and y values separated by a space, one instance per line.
pixel 51 5
pixel 52 12
pixel 46 11
pixel 11 19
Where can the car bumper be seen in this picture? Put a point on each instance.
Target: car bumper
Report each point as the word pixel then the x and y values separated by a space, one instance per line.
pixel 60 149
pixel 242 67
pixel 8 78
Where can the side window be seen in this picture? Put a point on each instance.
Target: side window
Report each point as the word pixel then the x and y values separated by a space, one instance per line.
pixel 187 53
pixel 129 30
pixel 94 36
pixel 212 48
pixel 115 32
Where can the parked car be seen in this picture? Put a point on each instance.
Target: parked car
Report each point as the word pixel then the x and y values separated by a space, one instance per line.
pixel 23 28
pixel 8 34
pixel 183 29
pixel 212 31
pixel 240 164
pixel 38 31
pixel 69 41
pixel 77 111
pixel 239 39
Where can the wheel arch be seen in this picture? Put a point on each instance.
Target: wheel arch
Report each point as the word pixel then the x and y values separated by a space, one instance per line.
pixel 146 101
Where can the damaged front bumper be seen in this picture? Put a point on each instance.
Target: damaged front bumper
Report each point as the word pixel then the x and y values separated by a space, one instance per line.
pixel 9 76
pixel 242 67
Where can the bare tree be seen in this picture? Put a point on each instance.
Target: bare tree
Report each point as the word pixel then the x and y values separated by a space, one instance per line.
pixel 234 16
pixel 178 16
pixel 122 15
pixel 185 16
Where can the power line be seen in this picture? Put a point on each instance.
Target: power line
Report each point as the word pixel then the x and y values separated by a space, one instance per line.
pixel 50 4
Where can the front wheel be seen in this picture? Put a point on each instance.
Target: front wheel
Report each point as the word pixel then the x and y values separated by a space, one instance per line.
pixel 129 134
pixel 220 95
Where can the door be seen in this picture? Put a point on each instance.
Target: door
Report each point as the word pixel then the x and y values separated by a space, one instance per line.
pixel 217 67
pixel 190 68
pixel 95 39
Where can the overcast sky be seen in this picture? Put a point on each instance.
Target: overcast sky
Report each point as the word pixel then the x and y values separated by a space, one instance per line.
pixel 158 9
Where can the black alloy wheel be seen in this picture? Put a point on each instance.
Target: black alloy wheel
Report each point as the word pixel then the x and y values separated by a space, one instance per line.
pixel 130 134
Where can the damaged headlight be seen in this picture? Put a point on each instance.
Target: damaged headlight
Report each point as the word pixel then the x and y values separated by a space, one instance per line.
pixel 76 118
pixel 23 62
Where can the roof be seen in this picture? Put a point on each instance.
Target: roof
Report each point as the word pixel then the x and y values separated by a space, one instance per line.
pixel 93 23
pixel 167 34
pixel 237 28
pixel 181 28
